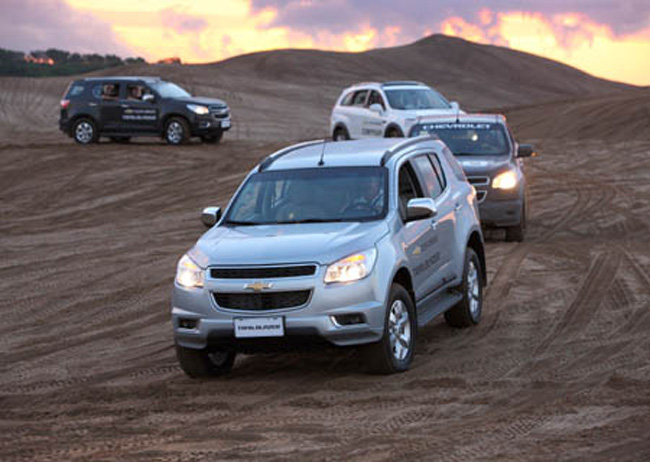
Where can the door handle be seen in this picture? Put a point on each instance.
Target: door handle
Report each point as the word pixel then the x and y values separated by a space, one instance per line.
pixel 458 206
pixel 434 225
pixel 125 106
pixel 92 104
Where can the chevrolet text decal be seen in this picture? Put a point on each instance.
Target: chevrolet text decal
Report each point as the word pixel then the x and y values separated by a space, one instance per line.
pixel 456 126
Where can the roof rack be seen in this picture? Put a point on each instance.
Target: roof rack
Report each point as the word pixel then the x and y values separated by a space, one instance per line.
pixel 396 83
pixel 403 145
pixel 358 84
pixel 266 163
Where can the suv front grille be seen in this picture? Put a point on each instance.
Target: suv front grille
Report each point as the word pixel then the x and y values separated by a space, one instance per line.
pixel 219 112
pixel 478 180
pixel 263 273
pixel 261 301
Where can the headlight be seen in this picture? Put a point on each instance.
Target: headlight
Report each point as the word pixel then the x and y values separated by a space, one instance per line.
pixel 505 180
pixel 189 274
pixel 197 109
pixel 351 268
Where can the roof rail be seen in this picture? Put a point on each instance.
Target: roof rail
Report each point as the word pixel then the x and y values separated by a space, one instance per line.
pixel 395 83
pixel 405 144
pixel 358 84
pixel 266 163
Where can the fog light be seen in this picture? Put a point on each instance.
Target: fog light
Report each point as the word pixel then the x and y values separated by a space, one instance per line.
pixel 347 319
pixel 185 323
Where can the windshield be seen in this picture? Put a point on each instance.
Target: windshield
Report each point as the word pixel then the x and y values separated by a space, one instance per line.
pixel 468 139
pixel 420 98
pixel 311 195
pixel 169 90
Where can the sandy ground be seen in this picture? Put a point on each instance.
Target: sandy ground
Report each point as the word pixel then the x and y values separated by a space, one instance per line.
pixel 559 368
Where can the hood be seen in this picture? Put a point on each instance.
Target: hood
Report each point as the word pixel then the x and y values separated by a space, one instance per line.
pixel 483 165
pixel 201 100
pixel 322 243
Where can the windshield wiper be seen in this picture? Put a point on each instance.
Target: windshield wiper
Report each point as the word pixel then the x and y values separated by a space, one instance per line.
pixel 244 223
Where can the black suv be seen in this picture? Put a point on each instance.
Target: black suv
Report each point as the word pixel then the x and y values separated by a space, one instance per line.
pixel 122 107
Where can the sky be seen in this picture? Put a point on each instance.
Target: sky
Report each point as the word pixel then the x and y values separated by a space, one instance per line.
pixel 607 38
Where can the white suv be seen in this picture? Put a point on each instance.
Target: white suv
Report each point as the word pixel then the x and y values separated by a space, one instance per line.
pixel 390 109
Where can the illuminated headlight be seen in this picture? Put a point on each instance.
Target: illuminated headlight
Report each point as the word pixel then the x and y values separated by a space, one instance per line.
pixel 505 180
pixel 198 109
pixel 189 274
pixel 351 268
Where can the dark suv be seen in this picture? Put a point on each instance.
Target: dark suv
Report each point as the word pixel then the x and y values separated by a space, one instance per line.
pixel 122 107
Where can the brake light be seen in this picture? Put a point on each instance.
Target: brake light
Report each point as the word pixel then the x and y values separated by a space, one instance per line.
pixel 65 103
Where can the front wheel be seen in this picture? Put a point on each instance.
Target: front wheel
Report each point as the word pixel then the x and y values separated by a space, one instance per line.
pixel 394 352
pixel 177 131
pixel 340 134
pixel 467 312
pixel 205 363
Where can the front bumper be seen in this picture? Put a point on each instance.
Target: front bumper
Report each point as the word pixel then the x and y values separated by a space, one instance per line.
pixel 210 125
pixel 499 208
pixel 312 321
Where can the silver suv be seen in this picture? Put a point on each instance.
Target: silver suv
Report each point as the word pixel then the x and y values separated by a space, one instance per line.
pixel 356 243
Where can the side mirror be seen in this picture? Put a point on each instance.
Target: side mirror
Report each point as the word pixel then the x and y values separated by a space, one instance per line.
pixel 148 98
pixel 455 106
pixel 526 150
pixel 376 108
pixel 421 208
pixel 211 216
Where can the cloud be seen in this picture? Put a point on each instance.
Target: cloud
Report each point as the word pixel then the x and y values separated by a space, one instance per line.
pixel 182 22
pixel 40 24
pixel 415 16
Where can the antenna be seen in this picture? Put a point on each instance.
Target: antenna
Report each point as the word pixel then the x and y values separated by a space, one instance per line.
pixel 458 114
pixel 321 162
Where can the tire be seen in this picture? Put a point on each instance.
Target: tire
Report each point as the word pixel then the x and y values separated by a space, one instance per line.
pixel 84 131
pixel 212 139
pixel 341 134
pixel 177 131
pixel 120 139
pixel 518 232
pixel 468 311
pixel 394 132
pixel 205 363
pixel 389 356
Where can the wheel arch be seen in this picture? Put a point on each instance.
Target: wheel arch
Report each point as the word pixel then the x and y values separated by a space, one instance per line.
pixel 393 126
pixel 403 278
pixel 171 115
pixel 475 242
pixel 78 117
pixel 338 125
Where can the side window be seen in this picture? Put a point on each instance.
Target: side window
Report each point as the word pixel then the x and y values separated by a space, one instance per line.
pixel 439 170
pixel 375 98
pixel 97 91
pixel 110 91
pixel 135 92
pixel 430 181
pixel 454 164
pixel 408 187
pixel 359 98
pixel 347 100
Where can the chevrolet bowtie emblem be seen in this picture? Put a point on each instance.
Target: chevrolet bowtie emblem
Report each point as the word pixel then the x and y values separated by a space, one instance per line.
pixel 258 286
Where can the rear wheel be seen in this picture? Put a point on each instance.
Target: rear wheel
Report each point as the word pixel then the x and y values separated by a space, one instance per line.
pixel 517 233
pixel 205 363
pixel 394 352
pixel 212 139
pixel 84 131
pixel 468 311
pixel 177 131
pixel 340 134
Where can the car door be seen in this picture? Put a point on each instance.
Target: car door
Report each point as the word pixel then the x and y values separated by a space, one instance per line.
pixel 437 247
pixel 373 122
pixel 356 112
pixel 139 114
pixel 448 202
pixel 110 110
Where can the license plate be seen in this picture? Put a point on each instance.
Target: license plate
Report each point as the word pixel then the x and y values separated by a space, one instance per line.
pixel 259 327
pixel 225 124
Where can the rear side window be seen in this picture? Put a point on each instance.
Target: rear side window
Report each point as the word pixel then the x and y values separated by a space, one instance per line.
pixel 97 91
pixel 110 91
pixel 76 89
pixel 430 180
pixel 359 98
